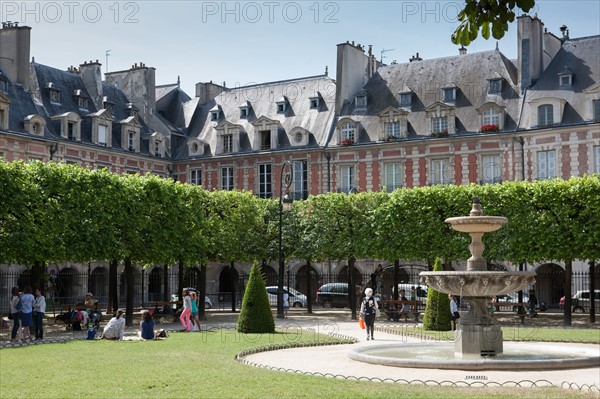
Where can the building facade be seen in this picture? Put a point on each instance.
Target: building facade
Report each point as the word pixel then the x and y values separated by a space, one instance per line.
pixel 469 118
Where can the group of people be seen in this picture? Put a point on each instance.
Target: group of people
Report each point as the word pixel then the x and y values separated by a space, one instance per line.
pixel 189 316
pixel 27 312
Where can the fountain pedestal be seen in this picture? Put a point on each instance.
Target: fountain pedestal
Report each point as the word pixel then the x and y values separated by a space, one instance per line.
pixel 477 333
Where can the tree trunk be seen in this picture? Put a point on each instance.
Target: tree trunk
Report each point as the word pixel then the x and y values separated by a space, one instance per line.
pixel 130 287
pixel 233 284
pixel 166 293
pixel 202 293
pixel 568 294
pixel 592 291
pixel 37 271
pixel 351 287
pixel 180 279
pixel 113 284
pixel 396 278
pixel 308 288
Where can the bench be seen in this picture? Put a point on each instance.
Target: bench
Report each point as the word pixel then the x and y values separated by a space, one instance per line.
pixel 67 315
pixel 392 308
pixel 164 309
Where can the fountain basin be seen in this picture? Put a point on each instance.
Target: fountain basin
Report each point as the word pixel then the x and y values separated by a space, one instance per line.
pixel 477 283
pixel 476 224
pixel 516 356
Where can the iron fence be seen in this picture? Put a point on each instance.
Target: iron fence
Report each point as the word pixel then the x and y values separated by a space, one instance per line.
pixel 70 286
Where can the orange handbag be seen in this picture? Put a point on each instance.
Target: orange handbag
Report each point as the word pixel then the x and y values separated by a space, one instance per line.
pixel 361 323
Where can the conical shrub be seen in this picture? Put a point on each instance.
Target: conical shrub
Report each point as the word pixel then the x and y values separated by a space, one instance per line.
pixel 437 310
pixel 256 316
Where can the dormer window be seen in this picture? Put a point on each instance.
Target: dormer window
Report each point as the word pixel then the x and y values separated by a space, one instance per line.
pixel 70 125
pixel 215 113
pixel 449 94
pixel 34 124
pixel 360 101
pixel 83 103
pixel 245 110
pixel 131 136
pixel 195 147
pixel 108 105
pixel 281 105
pixel 4 109
pixel 3 86
pixel 545 115
pixel 596 107
pixel 406 99
pixel 494 86
pixel 315 101
pixel 157 148
pixel 133 111
pixel 565 78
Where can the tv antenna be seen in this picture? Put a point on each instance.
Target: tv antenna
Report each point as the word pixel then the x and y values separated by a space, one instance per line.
pixel 385 51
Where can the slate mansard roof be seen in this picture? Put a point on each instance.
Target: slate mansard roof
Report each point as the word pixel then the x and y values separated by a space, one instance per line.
pixel 261 100
pixel 21 105
pixel 468 73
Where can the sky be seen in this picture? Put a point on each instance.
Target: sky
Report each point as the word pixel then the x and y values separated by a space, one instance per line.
pixel 248 42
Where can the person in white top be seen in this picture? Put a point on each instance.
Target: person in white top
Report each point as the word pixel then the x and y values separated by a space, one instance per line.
pixel 454 315
pixel 115 328
pixel 39 308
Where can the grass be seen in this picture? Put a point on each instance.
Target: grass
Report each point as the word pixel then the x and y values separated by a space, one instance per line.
pixel 198 365
pixel 518 333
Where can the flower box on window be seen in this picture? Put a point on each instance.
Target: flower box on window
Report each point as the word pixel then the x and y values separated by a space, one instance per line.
pixel 441 134
pixel 346 142
pixel 391 137
pixel 489 128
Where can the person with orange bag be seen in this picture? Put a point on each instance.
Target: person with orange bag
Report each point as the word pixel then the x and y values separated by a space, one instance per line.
pixel 368 309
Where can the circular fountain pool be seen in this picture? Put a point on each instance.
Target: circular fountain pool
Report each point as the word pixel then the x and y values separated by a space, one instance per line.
pixel 516 356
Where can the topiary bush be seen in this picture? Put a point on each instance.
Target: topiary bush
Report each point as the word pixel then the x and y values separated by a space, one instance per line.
pixel 256 316
pixel 437 310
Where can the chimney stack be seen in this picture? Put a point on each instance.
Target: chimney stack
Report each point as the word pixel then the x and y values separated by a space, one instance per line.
pixel 15 48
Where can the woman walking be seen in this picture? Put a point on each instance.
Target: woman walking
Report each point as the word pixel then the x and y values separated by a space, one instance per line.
pixel 187 311
pixel 39 308
pixel 368 309
pixel 15 307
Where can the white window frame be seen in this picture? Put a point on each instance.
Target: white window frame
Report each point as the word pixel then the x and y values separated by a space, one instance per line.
pixel 347 178
pixel 281 107
pixel 393 176
pixel 214 115
pixel 491 116
pixel 596 110
pixel 300 179
pixel 102 134
pixel 131 141
pixel 438 171
pixel 439 124
pixel 348 132
pixel 546 164
pixel 597 159
pixel 227 178
pixel 393 129
pixel 449 94
pixel 265 180
pixel 314 102
pixel 546 115
pixel 360 101
pixel 495 86
pixel 406 99
pixel 491 169
pixel 196 176
pixel 244 112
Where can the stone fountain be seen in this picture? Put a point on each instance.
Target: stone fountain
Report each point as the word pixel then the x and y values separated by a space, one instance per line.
pixel 477 333
pixel 478 338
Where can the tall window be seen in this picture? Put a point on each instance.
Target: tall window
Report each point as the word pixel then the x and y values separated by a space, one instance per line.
pixel 546 161
pixel 70 130
pixel 227 143
pixel 439 124
pixel 196 177
pixel 2 117
pixel 227 178
pixel 491 116
pixel 131 140
pixel 545 115
pixel 157 151
pixel 264 183
pixel 347 132
pixel 347 179
pixel 440 173
pixel 596 106
pixel 393 176
pixel 597 158
pixel 102 134
pixel 265 139
pixel 491 169
pixel 392 129
pixel 300 180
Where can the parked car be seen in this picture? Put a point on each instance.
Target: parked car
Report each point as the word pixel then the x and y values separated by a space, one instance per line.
pixel 581 301
pixel 335 295
pixel 296 298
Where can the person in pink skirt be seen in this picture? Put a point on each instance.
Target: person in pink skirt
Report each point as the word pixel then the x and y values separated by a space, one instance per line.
pixel 186 314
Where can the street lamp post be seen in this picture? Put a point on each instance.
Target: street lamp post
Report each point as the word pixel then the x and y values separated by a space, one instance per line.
pixel 285 203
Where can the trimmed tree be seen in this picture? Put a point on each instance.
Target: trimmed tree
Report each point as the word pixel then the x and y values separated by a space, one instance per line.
pixel 256 316
pixel 437 311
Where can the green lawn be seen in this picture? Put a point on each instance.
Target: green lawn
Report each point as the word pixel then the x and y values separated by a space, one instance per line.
pixel 197 365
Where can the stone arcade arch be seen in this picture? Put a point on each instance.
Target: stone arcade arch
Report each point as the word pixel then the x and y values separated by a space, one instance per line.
pixel 549 284
pixel 98 285
pixel 269 274
pixel 155 284
pixel 301 282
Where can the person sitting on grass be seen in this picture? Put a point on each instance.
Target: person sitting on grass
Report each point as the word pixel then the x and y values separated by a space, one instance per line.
pixel 147 326
pixel 115 328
